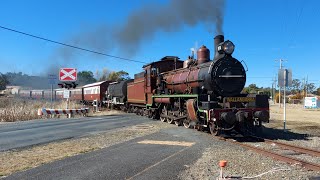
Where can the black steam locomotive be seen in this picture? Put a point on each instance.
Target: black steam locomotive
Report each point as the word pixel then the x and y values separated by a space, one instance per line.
pixel 199 93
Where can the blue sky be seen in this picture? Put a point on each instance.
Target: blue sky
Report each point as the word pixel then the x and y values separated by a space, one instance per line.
pixel 262 31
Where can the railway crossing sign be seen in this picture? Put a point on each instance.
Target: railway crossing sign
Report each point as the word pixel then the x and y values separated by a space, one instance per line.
pixel 285 77
pixel 68 74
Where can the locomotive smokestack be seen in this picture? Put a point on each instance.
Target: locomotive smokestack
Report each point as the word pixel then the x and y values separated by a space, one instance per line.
pixel 217 40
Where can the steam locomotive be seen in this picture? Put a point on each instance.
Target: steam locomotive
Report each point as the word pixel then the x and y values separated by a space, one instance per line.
pixel 197 93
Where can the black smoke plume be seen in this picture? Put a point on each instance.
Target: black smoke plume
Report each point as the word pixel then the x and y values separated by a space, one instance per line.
pixel 143 23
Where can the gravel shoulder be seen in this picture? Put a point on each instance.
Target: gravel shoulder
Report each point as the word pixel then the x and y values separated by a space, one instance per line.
pixel 303 130
pixel 242 163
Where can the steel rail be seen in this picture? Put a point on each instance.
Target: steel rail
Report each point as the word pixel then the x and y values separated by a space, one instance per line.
pixel 303 150
pixel 280 157
pixel 308 165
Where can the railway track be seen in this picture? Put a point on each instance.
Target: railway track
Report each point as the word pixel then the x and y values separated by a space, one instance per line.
pixel 281 157
pixel 303 150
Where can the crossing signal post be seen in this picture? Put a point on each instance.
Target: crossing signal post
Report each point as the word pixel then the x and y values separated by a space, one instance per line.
pixel 52 80
pixel 284 80
pixel 68 77
pixel 66 92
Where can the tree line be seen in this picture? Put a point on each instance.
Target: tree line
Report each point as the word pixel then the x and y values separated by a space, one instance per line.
pixel 38 82
pixel 298 88
pixel 86 77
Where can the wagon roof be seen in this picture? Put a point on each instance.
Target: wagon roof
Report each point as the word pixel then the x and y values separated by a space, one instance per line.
pixel 96 84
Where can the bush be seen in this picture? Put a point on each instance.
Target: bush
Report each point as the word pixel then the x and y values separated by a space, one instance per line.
pixel 277 98
pixel 297 96
pixel 12 109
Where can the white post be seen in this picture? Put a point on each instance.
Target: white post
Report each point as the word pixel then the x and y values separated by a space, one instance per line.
pixel 68 115
pixel 67 105
pixel 284 100
pixel 279 86
pixel 51 96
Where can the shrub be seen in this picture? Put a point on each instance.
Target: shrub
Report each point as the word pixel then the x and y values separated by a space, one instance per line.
pixel 12 109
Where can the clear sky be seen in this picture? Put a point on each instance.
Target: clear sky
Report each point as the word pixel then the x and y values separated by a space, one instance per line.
pixel 262 31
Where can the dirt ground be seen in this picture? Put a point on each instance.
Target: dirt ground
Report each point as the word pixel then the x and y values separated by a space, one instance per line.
pixel 298 119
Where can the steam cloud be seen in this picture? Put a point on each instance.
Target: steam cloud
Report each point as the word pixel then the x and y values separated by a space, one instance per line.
pixel 143 23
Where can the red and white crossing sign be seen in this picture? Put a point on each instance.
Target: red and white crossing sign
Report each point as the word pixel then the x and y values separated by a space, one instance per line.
pixel 68 74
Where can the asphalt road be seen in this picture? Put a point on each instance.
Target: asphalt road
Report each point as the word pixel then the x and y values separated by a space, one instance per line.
pixel 162 155
pixel 28 133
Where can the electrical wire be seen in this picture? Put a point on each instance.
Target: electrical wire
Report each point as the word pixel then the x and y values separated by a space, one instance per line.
pixel 270 171
pixel 71 46
pixel 299 14
pixel 259 175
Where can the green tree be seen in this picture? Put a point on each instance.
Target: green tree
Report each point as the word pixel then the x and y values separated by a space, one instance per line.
pixel 310 87
pixel 245 90
pixel 102 76
pixel 123 75
pixel 317 92
pixel 296 86
pixel 253 88
pixel 85 77
pixel 118 76
pixel 3 81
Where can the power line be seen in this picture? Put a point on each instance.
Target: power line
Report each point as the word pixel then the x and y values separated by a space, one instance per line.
pixel 299 14
pixel 260 77
pixel 71 46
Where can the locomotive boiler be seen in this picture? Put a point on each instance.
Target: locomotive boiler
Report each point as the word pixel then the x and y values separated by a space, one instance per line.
pixel 224 76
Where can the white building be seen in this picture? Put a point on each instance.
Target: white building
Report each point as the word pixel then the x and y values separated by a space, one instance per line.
pixel 12 90
pixel 311 102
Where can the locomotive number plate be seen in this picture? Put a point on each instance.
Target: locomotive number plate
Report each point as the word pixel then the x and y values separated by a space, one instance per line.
pixel 240 99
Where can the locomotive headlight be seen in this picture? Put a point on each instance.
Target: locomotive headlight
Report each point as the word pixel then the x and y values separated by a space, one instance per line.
pixel 228 47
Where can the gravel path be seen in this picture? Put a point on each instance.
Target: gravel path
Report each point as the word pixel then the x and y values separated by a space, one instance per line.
pixel 242 163
pixel 314 144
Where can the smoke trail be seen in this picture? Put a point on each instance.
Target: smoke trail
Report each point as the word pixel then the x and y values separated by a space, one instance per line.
pixel 143 23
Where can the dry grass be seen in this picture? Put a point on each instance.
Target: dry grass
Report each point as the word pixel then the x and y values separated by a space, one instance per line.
pixel 298 119
pixel 12 109
pixel 295 112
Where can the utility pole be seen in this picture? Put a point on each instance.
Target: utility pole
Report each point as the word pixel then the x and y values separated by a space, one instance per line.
pixel 274 85
pixel 280 60
pixel 284 99
pixel 307 87
pixel 272 95
pixel 304 87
